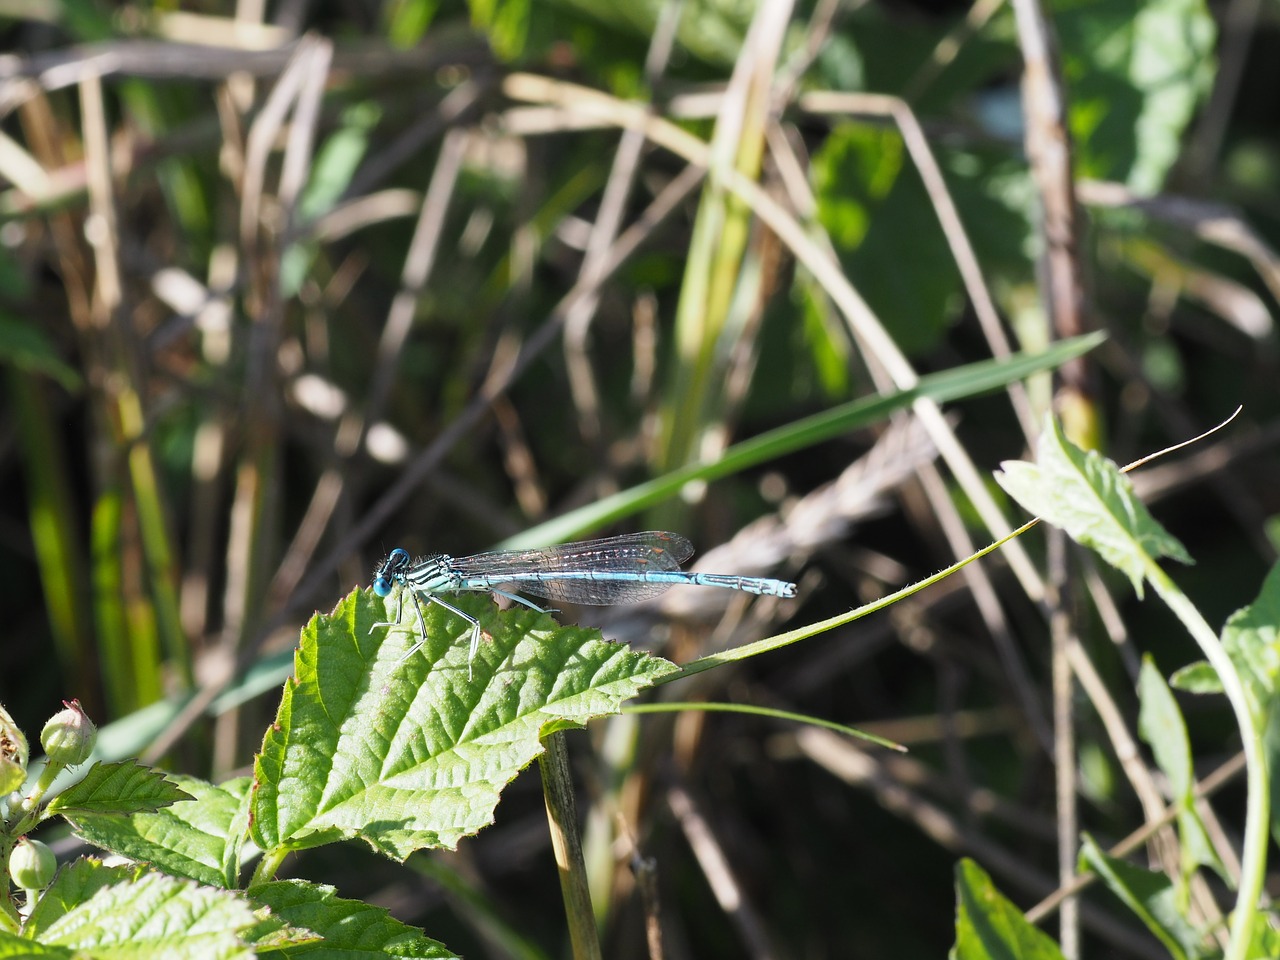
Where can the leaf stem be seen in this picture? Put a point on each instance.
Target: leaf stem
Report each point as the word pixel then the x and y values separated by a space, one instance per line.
pixel 557 790
pixel 1254 848
pixel 268 865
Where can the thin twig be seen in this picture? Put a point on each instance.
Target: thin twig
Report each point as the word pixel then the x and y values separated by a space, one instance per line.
pixel 944 206
pixel 626 162
pixel 1205 788
pixel 720 874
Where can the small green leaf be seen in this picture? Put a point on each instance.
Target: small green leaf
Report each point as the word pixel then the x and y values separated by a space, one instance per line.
pixel 505 22
pixel 407 21
pixel 200 840
pixel 1252 640
pixel 1198 677
pixel 989 926
pixel 1161 725
pixel 349 928
pixel 1148 894
pixel 156 916
pixel 123 787
pixel 1087 496
pixel 335 164
pixel 411 752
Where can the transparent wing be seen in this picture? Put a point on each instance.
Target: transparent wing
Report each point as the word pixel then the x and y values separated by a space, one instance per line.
pixel 593 571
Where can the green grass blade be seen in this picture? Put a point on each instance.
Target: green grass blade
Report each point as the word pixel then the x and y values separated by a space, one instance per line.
pixel 968 381
pixel 758 711
pixel 53 521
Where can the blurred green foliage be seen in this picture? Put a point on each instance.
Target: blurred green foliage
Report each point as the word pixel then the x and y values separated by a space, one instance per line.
pixel 192 470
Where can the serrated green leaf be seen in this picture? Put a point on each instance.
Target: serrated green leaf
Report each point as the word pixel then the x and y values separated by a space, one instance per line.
pixel 157 917
pixel 1138 71
pixel 118 788
pixel 411 753
pixel 75 883
pixel 200 839
pixel 1148 894
pixel 988 925
pixel 1161 725
pixel 349 926
pixel 1086 495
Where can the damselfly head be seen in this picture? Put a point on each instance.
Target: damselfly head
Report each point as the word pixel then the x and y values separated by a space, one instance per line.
pixel 389 571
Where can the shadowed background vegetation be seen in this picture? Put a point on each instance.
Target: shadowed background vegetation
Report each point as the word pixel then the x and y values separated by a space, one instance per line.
pixel 282 292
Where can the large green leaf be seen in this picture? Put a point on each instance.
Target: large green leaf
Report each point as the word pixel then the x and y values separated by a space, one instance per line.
pixel 1137 70
pixel 154 916
pixel 74 884
pixel 412 753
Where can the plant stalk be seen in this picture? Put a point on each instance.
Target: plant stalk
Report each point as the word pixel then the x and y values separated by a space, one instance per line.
pixel 557 790
pixel 1253 860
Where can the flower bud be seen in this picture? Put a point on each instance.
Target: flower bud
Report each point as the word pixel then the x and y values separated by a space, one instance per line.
pixel 32 864
pixel 69 736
